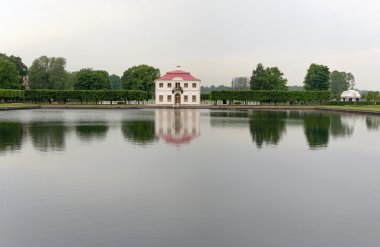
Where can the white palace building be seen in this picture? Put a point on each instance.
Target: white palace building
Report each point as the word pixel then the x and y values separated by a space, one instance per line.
pixel 178 88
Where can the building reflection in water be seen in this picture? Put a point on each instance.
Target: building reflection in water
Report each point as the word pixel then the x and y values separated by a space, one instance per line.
pixel 177 126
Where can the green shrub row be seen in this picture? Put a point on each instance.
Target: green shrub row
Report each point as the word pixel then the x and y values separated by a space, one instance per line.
pixel 72 95
pixel 205 96
pixel 9 95
pixel 271 96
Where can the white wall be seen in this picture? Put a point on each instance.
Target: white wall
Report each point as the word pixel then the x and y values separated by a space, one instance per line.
pixel 189 91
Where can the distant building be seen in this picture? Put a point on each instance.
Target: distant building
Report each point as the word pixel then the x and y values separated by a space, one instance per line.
pixel 178 88
pixel 350 95
pixel 25 81
pixel 240 83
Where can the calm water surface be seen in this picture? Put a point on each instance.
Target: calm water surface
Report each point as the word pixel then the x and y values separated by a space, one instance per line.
pixel 188 178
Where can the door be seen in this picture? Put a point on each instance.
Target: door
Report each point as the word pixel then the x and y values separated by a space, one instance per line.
pixel 178 98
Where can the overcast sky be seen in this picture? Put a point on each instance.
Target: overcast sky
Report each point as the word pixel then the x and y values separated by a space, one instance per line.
pixel 216 40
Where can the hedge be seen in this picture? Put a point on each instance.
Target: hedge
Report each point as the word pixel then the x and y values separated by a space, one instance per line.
pixel 71 95
pixel 270 96
pixel 205 96
pixel 10 96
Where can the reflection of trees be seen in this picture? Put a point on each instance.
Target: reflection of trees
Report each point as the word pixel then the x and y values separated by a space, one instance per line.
pixel 316 127
pixel 139 131
pixel 48 136
pixel 338 128
pixel 372 122
pixel 11 135
pixel 91 131
pixel 267 127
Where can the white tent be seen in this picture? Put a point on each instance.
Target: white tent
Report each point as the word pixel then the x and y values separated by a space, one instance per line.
pixel 350 95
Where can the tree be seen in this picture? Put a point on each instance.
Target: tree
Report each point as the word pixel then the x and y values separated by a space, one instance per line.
pixel 267 79
pixel 240 83
pixel 89 79
pixel 48 73
pixel 373 95
pixel 20 66
pixel 351 80
pixel 274 79
pixel 9 76
pixel 115 82
pixel 258 78
pixel 140 77
pixel 338 83
pixel 317 77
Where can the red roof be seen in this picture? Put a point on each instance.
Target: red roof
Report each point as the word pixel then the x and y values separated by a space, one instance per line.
pixel 186 76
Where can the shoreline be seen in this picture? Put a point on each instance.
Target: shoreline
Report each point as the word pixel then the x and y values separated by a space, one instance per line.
pixel 10 107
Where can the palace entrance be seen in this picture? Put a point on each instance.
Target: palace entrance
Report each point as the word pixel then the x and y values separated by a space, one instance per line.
pixel 177 99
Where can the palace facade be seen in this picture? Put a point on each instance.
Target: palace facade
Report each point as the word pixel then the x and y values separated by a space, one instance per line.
pixel 178 87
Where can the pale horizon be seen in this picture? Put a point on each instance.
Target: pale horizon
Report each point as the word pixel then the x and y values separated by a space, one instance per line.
pixel 214 40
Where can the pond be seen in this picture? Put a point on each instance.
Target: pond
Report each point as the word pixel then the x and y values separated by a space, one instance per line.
pixel 188 178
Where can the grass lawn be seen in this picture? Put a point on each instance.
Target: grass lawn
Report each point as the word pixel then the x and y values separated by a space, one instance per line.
pixel 355 107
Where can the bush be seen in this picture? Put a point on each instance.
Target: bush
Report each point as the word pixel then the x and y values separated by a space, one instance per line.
pixel 84 95
pixel 269 96
pixel 11 96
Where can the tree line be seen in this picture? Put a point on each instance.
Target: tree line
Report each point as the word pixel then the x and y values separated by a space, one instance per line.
pixel 318 77
pixel 49 73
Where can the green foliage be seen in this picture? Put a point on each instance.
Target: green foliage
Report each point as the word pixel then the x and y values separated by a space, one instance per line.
pixel 17 61
pixel 84 95
pixel 88 79
pixel 271 96
pixel 267 79
pixel 339 82
pixel 9 76
pixel 140 77
pixel 115 82
pixel 48 73
pixel 373 96
pixel 9 96
pixel 205 96
pixel 317 77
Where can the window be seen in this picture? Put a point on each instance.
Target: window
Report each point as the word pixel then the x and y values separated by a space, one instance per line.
pixel 185 98
pixel 194 98
pixel 169 85
pixel 186 85
pixel 161 85
pixel 194 85
pixel 161 98
pixel 169 98
pixel 177 85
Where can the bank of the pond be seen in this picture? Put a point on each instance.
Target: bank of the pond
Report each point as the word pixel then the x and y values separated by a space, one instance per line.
pixel 18 106
pixel 350 109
